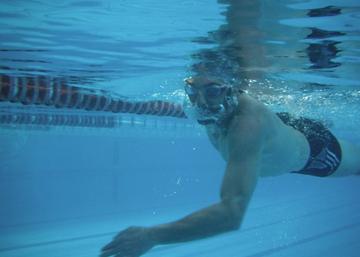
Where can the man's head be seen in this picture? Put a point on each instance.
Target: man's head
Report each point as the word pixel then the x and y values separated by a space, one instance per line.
pixel 210 100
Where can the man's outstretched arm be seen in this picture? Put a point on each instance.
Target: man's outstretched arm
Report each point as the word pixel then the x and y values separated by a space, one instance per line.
pixel 238 184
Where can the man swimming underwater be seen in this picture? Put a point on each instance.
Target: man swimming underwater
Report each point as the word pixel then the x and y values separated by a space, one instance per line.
pixel 254 142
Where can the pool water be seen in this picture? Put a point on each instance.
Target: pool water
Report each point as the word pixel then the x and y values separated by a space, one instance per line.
pixel 66 191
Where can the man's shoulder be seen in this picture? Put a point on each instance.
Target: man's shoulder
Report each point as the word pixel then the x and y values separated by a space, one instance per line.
pixel 253 120
pixel 250 109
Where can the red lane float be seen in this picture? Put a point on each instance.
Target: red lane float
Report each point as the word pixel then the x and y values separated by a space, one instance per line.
pixel 55 92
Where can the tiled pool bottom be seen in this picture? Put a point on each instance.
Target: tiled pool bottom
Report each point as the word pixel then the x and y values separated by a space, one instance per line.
pixel 323 221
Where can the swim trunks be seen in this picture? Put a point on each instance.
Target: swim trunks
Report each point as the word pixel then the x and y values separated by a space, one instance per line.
pixel 325 151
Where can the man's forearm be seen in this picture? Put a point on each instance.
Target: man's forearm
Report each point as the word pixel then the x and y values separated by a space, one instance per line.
pixel 216 219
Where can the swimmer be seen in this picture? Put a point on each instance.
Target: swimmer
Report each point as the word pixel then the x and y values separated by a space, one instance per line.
pixel 254 142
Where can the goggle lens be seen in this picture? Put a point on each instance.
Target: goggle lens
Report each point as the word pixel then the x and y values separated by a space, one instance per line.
pixel 214 91
pixel 210 91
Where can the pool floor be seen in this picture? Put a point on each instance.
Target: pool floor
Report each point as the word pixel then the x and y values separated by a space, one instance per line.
pixel 323 221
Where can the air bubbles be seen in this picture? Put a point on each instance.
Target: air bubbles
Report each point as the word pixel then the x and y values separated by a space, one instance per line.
pixel 170 194
pixel 178 181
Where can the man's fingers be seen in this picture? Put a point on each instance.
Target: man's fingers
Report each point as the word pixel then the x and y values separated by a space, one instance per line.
pixel 109 249
pixel 113 243
pixel 109 253
pixel 108 246
pixel 122 251
pixel 122 244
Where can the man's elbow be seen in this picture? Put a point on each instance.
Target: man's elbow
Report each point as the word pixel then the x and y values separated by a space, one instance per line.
pixel 234 224
pixel 235 210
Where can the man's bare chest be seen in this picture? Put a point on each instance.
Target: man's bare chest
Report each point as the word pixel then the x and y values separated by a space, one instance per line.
pixel 218 138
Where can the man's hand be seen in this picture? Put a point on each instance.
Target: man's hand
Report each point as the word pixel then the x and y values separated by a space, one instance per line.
pixel 131 242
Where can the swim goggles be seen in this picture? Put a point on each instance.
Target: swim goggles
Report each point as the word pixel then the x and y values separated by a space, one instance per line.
pixel 210 90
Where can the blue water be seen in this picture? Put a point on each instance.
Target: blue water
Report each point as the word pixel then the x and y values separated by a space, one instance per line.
pixel 66 191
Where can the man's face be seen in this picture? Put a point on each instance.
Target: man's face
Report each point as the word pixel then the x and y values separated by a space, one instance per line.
pixel 205 93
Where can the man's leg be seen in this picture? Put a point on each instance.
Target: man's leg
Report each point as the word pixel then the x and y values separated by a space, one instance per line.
pixel 350 162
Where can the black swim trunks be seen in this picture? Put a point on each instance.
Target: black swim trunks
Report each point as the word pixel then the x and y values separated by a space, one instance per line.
pixel 325 151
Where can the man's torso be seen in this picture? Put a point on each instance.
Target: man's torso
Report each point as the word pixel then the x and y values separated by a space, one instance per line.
pixel 283 150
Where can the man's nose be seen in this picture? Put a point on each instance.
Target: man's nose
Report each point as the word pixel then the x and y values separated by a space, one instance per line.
pixel 201 100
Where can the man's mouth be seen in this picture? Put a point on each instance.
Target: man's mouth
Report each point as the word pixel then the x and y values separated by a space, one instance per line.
pixel 210 107
pixel 207 114
pixel 209 110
